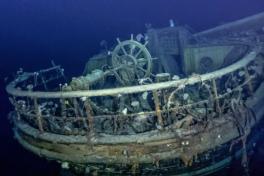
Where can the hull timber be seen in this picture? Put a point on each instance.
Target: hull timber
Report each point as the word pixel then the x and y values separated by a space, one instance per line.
pixel 193 125
pixel 214 144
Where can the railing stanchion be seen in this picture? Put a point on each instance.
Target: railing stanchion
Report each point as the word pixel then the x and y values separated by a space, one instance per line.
pixel 157 108
pixel 217 104
pixel 63 111
pixel 76 110
pixel 89 114
pixel 38 115
pixel 248 80
pixel 63 107
pixel 13 101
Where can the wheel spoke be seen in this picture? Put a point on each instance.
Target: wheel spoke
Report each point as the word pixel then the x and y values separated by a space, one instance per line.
pixel 124 50
pixel 145 71
pixel 140 68
pixel 118 40
pixel 121 46
pixel 142 61
pixel 138 53
pixel 117 59
pixel 117 56
pixel 132 48
pixel 137 75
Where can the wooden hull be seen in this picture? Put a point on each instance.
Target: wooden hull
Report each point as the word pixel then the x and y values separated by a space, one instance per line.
pixel 196 152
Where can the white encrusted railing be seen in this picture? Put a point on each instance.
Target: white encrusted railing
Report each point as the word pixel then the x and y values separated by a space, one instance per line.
pixel 88 120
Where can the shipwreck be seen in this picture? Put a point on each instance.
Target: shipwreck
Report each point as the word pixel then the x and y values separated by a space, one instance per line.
pixel 168 101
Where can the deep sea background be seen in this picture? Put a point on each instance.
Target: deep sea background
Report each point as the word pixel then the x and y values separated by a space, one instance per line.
pixel 32 32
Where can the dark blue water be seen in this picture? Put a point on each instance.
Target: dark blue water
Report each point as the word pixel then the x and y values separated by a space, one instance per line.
pixel 32 32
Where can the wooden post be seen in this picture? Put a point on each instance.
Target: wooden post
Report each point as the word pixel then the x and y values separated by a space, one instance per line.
pixel 63 111
pixel 218 109
pixel 83 118
pixel 89 114
pixel 75 104
pixel 248 80
pixel 63 107
pixel 13 101
pixel 76 110
pixel 78 113
pixel 38 115
pixel 157 108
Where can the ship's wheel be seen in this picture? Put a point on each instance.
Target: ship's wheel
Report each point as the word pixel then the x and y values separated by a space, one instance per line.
pixel 132 61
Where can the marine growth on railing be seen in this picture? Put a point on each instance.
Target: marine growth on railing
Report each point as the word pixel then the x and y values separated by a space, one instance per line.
pixel 187 103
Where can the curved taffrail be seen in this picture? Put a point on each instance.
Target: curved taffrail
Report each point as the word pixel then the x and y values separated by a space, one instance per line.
pixel 88 118
pixel 11 88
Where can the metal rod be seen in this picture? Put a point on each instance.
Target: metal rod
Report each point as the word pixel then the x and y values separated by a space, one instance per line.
pixel 218 109
pixel 13 101
pixel 157 108
pixel 76 108
pixel 89 114
pixel 248 79
pixel 63 107
pixel 38 115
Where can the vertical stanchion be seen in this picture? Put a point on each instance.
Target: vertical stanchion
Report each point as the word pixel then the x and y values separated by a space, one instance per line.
pixel 76 110
pixel 89 114
pixel 63 111
pixel 38 114
pixel 218 109
pixel 13 101
pixel 63 108
pixel 157 108
pixel 248 80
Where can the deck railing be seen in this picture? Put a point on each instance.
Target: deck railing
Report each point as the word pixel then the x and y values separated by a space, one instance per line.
pixel 198 97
